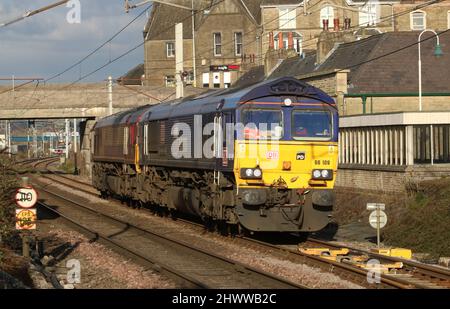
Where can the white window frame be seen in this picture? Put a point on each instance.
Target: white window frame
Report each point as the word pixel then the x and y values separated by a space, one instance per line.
pixel 368 14
pixel 166 81
pixel 215 44
pixel 227 79
pixel 448 19
pixel 424 20
pixel 287 18
pixel 172 50
pixel 236 44
pixel 325 14
pixel 205 77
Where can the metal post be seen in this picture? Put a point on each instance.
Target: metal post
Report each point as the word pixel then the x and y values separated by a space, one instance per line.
pixel 35 145
pixel 420 63
pixel 194 62
pixel 179 59
pixel 9 137
pixel 364 102
pixel 110 95
pixel 432 144
pixel 75 171
pixel 67 138
pixel 378 227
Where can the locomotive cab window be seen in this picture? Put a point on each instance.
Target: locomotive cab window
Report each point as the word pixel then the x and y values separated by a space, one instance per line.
pixel 262 123
pixel 309 124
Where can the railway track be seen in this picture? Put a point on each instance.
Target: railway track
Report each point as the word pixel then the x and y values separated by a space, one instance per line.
pixel 411 275
pixel 191 265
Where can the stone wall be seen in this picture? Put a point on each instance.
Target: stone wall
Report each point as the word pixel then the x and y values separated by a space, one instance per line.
pixel 389 179
pixel 436 15
pixel 353 106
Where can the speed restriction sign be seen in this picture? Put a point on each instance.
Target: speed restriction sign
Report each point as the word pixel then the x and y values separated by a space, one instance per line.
pixel 26 197
pixel 26 219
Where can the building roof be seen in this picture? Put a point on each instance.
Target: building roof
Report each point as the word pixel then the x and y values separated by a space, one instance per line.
pixel 384 63
pixel 133 76
pixel 161 24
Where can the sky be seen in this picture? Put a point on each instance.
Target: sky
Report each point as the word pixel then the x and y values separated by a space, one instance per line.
pixel 46 44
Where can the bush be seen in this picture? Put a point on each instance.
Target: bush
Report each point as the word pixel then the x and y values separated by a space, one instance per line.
pixel 8 185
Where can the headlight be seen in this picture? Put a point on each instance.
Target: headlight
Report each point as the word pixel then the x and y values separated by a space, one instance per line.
pixel 257 173
pixel 251 173
pixel 316 174
pixel 322 174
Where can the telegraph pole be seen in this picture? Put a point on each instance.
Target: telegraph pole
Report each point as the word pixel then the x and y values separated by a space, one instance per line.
pixel 179 59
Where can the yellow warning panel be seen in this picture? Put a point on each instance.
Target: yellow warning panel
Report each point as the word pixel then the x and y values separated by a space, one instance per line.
pixel 26 219
pixel 395 252
pixel 324 251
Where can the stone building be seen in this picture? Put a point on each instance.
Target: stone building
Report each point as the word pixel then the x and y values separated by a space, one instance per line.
pixel 233 37
pixel 226 41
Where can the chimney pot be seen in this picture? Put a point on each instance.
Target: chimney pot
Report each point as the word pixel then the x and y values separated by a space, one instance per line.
pixel 280 41
pixel 291 40
pixel 325 24
pixel 271 41
pixel 336 24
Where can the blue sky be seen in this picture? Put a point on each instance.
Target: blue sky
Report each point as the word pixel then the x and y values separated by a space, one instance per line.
pixel 46 44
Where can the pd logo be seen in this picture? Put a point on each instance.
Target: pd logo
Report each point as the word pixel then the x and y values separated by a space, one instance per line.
pixel 301 156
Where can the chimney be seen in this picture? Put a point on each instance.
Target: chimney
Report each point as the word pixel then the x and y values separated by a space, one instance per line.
pixel 328 40
pixel 347 23
pixel 271 41
pixel 325 24
pixel 336 24
pixel 290 40
pixel 280 41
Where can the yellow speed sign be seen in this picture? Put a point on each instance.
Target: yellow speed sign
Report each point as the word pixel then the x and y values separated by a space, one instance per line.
pixel 26 219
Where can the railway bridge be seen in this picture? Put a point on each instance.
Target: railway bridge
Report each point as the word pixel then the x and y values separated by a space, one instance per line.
pixel 86 102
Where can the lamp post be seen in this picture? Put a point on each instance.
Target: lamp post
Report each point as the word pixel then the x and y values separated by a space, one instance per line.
pixel 437 53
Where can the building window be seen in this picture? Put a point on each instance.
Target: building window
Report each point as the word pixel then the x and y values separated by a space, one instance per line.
pixel 170 49
pixel 205 80
pixel 216 79
pixel 368 15
pixel 327 13
pixel 217 44
pixel 297 41
pixel 287 18
pixel 418 20
pixel 238 43
pixel 189 79
pixel 227 79
pixel 170 81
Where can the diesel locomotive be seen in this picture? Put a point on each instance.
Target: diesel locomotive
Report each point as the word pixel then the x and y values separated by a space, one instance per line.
pixel 259 158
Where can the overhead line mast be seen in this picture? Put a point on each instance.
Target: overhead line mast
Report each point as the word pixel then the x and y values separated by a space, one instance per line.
pixel 34 12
